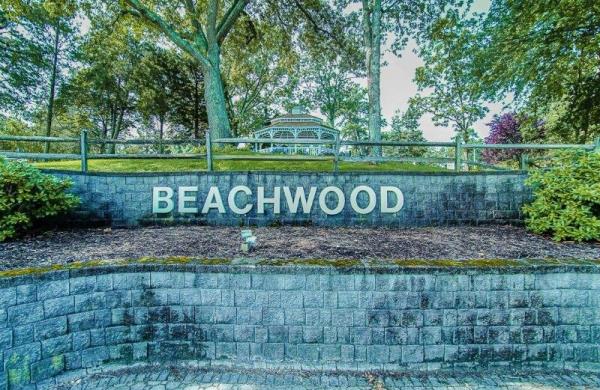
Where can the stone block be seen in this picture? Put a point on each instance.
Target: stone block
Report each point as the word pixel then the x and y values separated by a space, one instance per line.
pixel 210 297
pixel 378 354
pixel 6 338
pixel 313 299
pixel 26 293
pixel 49 328
pixel 225 315
pixel 342 317
pixel 312 334
pixel 53 289
pixel 89 302
pixel 25 313
pixel 277 317
pixel 82 285
pixel 273 352
pixel 23 334
pixel 47 368
pixel 308 352
pixel 92 357
pixel 248 316
pixel 292 299
pixel 59 306
pixel 225 351
pixel 221 333
pixel 56 346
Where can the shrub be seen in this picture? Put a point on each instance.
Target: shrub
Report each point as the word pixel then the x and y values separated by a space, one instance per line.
pixel 566 198
pixel 27 197
pixel 510 128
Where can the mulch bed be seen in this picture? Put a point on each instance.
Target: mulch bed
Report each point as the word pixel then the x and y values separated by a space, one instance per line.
pixel 457 243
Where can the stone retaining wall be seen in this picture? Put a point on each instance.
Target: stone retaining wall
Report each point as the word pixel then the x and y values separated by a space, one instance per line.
pixel 317 317
pixel 430 199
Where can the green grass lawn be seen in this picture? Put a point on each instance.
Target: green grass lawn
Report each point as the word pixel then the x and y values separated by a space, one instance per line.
pixel 186 165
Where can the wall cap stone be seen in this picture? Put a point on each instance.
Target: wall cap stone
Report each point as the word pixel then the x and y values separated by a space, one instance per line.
pixel 285 173
pixel 34 275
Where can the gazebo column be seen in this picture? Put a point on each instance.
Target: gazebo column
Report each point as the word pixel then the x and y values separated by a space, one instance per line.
pixel 295 132
pixel 319 148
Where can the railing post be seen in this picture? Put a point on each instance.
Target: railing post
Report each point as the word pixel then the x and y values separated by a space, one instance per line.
pixel 83 149
pixel 457 155
pixel 336 162
pixel 524 162
pixel 209 163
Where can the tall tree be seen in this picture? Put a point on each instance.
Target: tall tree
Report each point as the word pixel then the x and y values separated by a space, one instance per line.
pixel 189 107
pixel 448 88
pixel 22 57
pixel 329 85
pixel 406 126
pixel 394 21
pixel 154 80
pixel 38 37
pixel 168 92
pixel 60 16
pixel 103 90
pixel 197 29
pixel 258 70
pixel 543 54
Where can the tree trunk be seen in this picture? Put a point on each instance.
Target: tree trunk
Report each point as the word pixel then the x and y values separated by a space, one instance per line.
pixel 116 130
pixel 214 95
pixel 161 129
pixel 50 113
pixel 331 115
pixel 196 106
pixel 374 75
pixel 103 135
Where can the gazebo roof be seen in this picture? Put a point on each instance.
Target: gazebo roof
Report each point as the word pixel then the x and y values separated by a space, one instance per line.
pixel 295 120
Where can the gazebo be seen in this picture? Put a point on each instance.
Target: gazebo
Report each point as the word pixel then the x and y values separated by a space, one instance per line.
pixel 297 125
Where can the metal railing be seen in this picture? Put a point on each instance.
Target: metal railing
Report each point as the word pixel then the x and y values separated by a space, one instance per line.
pixel 84 144
pixel 335 144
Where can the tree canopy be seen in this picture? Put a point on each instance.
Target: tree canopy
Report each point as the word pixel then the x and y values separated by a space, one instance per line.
pixel 179 68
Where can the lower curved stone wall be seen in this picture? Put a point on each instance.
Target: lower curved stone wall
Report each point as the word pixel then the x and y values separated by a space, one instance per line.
pixel 319 317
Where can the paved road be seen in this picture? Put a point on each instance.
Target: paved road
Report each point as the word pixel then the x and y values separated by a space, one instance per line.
pixel 157 378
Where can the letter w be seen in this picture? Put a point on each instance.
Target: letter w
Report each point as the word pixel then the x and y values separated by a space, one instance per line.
pixel 300 197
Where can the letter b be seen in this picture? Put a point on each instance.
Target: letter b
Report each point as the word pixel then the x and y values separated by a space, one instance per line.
pixel 162 195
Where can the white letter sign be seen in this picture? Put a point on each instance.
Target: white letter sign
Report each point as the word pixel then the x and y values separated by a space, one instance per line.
pixel 331 201
pixel 158 197
pixel 300 197
pixel 372 200
pixel 231 200
pixel 323 200
pixel 182 197
pixel 213 201
pixel 385 208
pixel 275 200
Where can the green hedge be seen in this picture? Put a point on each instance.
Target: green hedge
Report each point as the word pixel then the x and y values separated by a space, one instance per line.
pixel 28 197
pixel 566 198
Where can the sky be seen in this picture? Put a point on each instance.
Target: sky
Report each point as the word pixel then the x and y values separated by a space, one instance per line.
pixel 397 87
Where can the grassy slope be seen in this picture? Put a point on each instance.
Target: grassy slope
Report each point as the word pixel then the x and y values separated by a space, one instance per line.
pixel 183 165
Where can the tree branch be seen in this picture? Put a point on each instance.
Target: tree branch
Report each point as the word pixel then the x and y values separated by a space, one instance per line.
pixel 200 36
pixel 167 29
pixel 390 6
pixel 232 14
pixel 367 27
pixel 211 21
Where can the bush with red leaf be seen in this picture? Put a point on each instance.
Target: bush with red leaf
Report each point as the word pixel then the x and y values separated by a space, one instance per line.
pixel 504 129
